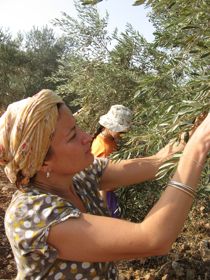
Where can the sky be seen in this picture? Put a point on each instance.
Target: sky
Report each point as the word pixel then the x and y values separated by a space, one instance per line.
pixel 22 15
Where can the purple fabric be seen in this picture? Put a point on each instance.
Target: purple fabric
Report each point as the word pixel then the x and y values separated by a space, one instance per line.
pixel 112 204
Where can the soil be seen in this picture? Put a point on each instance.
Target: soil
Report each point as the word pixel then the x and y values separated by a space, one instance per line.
pixel 189 258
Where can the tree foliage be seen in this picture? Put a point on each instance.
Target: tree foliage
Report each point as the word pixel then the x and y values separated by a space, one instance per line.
pixel 165 83
pixel 11 61
pixel 26 62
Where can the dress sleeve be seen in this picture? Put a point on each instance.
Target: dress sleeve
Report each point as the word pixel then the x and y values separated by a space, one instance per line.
pixel 30 219
pixel 95 171
pixel 98 167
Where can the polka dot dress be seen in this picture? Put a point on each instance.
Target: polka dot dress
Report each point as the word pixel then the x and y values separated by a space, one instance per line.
pixel 29 217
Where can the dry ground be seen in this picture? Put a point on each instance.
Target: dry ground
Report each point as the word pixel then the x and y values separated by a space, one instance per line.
pixel 189 258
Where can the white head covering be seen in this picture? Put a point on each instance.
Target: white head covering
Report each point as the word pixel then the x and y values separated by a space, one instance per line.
pixel 118 118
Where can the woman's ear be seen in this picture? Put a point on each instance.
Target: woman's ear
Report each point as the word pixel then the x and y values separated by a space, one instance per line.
pixel 45 166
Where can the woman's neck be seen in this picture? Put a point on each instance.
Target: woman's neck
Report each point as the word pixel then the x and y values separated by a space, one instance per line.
pixel 62 187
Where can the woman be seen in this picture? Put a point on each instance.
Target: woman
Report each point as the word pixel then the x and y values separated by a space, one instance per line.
pixel 56 223
pixel 105 142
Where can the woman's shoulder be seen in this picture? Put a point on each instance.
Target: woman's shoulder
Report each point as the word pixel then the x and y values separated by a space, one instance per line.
pixel 29 217
pixel 94 170
pixel 35 204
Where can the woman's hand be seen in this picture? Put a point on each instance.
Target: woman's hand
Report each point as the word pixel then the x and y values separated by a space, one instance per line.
pixel 170 149
pixel 200 128
pixel 200 139
pixel 197 122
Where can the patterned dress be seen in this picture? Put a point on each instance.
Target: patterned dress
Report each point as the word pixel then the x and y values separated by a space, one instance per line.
pixel 28 220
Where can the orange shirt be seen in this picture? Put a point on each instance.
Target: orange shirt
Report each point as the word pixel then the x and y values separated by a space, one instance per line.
pixel 103 146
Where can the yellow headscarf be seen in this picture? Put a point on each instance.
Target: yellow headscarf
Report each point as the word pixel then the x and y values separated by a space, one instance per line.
pixel 26 129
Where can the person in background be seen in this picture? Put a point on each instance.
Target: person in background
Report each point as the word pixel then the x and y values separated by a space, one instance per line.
pixel 56 223
pixel 105 141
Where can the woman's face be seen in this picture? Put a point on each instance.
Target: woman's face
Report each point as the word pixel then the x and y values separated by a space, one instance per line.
pixel 70 146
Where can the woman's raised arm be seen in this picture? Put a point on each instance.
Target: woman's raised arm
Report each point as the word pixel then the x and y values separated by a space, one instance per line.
pixel 93 238
pixel 133 171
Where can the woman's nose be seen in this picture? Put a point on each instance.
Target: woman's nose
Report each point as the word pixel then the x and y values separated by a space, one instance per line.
pixel 86 138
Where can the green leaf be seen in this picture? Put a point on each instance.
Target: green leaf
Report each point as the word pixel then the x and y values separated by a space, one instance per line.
pixel 194 51
pixel 205 55
pixel 139 2
pixel 90 2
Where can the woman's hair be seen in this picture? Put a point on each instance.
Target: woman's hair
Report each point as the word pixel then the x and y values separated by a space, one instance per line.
pixel 99 129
